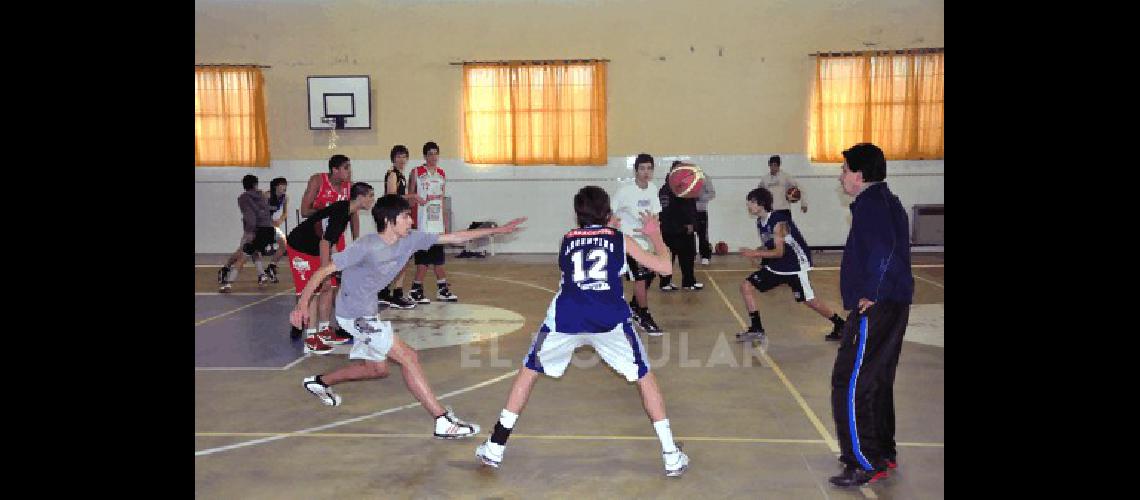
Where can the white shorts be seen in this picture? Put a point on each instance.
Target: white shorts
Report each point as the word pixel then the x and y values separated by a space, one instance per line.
pixel 620 348
pixel 371 338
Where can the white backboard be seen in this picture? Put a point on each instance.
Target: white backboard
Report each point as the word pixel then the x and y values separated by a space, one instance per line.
pixel 340 95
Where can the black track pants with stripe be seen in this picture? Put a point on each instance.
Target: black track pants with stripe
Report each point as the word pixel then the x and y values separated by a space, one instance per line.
pixel 862 383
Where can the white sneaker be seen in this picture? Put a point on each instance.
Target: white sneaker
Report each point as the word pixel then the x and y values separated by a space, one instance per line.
pixel 704 262
pixel 676 463
pixel 445 294
pixel 487 455
pixel 449 426
pixel 328 397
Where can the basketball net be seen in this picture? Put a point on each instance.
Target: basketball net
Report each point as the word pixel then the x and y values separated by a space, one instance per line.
pixel 332 132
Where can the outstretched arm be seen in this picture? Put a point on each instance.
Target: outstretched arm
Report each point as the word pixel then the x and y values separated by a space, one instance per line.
pixel 462 236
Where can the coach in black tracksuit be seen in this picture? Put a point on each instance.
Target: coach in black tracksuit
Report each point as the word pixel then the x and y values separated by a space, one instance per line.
pixel 877 287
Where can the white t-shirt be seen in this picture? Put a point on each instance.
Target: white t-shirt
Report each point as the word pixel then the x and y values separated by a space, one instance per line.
pixel 628 203
pixel 778 185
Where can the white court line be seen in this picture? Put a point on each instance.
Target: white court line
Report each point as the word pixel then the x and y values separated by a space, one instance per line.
pixel 553 437
pixel 502 279
pixel 251 304
pixel 914 266
pixel 350 420
pixel 932 282
pixel 831 443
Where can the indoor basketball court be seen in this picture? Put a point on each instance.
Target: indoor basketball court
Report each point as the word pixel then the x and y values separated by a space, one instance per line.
pixel 754 425
pixel 772 143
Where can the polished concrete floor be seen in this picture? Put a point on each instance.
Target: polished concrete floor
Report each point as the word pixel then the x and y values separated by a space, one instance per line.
pixel 755 425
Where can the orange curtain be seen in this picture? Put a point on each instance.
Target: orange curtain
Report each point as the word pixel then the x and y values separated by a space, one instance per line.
pixel 894 100
pixel 229 117
pixel 535 114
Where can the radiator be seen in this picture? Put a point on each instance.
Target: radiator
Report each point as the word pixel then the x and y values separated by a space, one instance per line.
pixel 929 225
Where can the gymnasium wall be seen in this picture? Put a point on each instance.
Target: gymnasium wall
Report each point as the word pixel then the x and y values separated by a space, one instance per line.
pixel 724 83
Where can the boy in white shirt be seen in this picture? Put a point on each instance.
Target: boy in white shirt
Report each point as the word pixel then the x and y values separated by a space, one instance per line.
pixel 628 204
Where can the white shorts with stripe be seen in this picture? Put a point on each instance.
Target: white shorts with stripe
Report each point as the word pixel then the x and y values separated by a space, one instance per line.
pixel 371 338
pixel 621 348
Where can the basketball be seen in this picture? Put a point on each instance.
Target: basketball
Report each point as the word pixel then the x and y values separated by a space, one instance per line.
pixel 721 248
pixel 687 181
pixel 793 194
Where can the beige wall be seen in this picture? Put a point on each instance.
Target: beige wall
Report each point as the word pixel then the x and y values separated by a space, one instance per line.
pixel 742 88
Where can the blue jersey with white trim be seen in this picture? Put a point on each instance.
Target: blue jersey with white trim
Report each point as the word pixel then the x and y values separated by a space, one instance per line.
pixel 590 298
pixel 797 254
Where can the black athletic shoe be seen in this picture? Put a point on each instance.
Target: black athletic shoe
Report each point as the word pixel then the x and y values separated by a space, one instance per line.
pixel 857 476
pixel 384 297
pixel 417 294
pixel 399 302
pixel 633 311
pixel 294 332
pixel 650 326
pixel 271 271
pixel 695 286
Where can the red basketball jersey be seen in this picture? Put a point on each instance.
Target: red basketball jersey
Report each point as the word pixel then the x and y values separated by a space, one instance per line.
pixel 327 195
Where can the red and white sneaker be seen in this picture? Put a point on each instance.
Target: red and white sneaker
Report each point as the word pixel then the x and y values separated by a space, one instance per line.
pixel 332 337
pixel 313 345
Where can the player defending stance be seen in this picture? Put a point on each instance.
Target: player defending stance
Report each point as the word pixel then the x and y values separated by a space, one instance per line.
pixel 629 202
pixel 590 309
pixel 365 267
pixel 787 260
pixel 307 252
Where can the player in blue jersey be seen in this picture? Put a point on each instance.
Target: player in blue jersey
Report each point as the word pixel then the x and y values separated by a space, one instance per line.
pixel 590 309
pixel 786 261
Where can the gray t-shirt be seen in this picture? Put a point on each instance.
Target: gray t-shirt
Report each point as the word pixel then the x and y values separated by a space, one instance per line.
pixel 369 264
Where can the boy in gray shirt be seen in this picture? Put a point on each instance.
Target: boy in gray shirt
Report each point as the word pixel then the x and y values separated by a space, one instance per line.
pixel 367 266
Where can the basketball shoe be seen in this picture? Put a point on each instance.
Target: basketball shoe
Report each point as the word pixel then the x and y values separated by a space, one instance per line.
pixel 322 391
pixel 449 426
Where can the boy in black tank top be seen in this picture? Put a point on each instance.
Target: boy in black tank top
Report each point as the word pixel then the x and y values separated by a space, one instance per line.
pixel 396 183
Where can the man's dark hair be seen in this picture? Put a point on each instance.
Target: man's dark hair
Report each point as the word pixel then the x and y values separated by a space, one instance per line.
pixel 387 208
pixel 429 145
pixel 337 161
pixel 592 206
pixel 762 197
pixel 359 189
pixel 642 158
pixel 867 158
pixel 397 149
pixel 774 159
pixel 249 182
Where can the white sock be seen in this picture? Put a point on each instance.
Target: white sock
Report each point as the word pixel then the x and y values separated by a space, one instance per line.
pixel 322 326
pixel 507 418
pixel 310 331
pixel 665 435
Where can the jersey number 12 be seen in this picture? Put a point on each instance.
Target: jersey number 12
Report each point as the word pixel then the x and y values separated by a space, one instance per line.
pixel 597 271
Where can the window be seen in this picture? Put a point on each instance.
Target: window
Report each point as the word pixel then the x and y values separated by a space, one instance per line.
pixel 535 113
pixel 893 99
pixel 229 117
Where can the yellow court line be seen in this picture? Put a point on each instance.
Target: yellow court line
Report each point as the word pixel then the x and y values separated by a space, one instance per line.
pixel 831 443
pixel 251 304
pixel 566 437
